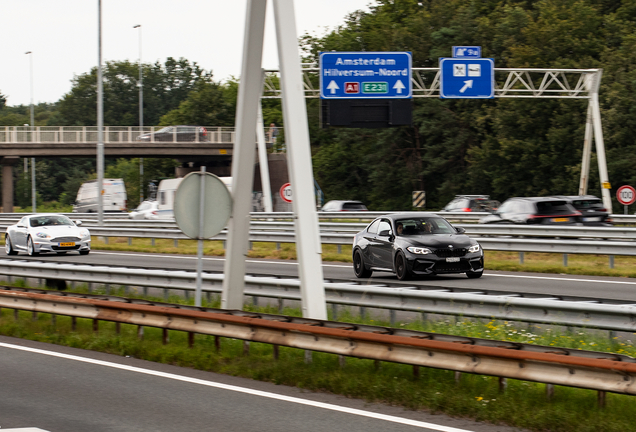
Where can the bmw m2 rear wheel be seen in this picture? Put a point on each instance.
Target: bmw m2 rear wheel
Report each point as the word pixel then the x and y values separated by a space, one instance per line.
pixel 358 266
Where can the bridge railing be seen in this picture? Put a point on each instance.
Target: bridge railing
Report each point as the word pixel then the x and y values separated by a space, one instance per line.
pixel 112 134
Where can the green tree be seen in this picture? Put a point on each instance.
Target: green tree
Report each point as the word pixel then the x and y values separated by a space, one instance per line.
pixel 165 87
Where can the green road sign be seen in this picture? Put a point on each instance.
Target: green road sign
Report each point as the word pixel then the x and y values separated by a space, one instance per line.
pixel 375 87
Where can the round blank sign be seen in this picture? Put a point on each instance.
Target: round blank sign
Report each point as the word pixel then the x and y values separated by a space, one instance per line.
pixel 217 205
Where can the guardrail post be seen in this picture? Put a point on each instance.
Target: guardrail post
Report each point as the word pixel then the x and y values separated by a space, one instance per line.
pixel 601 399
pixel 190 339
pixel 35 316
pixel 276 352
pixel 217 343
pixel 246 348
pixel 277 246
pixel 503 384
pixel 611 261
pixel 339 249
pixel 16 314
pixel 416 371
pixel 521 256
pixel 73 324
pixel 342 361
pixel 140 332
pixel 334 311
pixel 118 328
pixel 280 305
pixel 105 240
pixel 95 326
pixel 255 300
pixel 565 260
pixel 152 242
pixel 392 314
pixel 129 241
pixel 309 357
pixel 165 294
pixel 176 243
pixel 164 336
pixel 363 312
pixel 458 377
pixel 549 391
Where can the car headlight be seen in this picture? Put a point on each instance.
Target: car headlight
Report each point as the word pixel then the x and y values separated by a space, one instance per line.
pixel 84 233
pixel 42 235
pixel 474 248
pixel 418 250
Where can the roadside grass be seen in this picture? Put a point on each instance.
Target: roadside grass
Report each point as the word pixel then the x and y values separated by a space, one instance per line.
pixel 523 404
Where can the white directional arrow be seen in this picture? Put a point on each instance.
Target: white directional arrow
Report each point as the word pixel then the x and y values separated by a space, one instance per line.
pixel 399 86
pixel 333 87
pixel 467 84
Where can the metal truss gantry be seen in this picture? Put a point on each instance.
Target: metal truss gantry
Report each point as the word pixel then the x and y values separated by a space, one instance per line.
pixel 509 83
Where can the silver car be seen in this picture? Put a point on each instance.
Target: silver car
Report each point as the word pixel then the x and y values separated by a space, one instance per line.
pixel 47 233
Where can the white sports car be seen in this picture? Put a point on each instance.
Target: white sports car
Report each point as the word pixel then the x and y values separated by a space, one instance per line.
pixel 47 233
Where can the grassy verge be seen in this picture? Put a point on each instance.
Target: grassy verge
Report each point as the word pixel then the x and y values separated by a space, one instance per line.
pixel 593 265
pixel 523 404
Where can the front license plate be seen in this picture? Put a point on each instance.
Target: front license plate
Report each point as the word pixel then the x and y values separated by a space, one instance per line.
pixel 591 219
pixel 452 259
pixel 560 220
pixel 67 244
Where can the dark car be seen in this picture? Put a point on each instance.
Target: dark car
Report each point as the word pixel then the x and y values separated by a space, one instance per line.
pixel 410 244
pixel 181 133
pixel 339 205
pixel 593 211
pixel 534 210
pixel 471 203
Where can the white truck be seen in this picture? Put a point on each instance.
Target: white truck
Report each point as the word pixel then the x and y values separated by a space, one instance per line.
pixel 114 197
pixel 166 191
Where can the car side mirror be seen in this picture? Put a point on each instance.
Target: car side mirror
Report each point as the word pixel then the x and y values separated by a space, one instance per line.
pixel 460 230
pixel 78 222
pixel 385 233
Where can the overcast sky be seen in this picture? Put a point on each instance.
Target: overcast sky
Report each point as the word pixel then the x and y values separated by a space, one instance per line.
pixel 62 36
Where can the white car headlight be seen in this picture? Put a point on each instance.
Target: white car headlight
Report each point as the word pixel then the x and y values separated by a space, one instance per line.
pixel 84 233
pixel 474 248
pixel 42 235
pixel 418 250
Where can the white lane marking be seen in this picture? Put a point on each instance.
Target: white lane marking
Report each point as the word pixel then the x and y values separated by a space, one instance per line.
pixel 245 390
pixel 188 257
pixel 348 265
pixel 562 279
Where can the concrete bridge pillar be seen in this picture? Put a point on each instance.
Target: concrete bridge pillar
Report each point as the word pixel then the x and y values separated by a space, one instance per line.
pixel 7 182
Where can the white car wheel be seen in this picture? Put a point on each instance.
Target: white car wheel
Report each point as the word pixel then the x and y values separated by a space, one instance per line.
pixel 8 247
pixel 31 248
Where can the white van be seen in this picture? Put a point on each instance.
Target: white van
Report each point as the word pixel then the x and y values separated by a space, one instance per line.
pixel 114 197
pixel 166 192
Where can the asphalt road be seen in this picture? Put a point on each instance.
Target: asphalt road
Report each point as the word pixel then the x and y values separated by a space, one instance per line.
pixel 61 389
pixel 528 283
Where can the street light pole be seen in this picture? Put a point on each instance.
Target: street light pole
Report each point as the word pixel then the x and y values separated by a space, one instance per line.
pixel 141 119
pixel 33 209
pixel 100 120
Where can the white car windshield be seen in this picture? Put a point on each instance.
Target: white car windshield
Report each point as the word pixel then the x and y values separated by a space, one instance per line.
pixel 50 220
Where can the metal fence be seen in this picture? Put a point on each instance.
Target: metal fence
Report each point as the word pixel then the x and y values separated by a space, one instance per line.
pixel 112 134
pixel 598 371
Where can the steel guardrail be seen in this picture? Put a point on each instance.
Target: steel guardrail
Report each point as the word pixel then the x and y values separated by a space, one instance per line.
pixel 615 316
pixel 603 372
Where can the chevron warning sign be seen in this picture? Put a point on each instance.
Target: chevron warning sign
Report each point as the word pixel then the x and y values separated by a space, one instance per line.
pixel 419 199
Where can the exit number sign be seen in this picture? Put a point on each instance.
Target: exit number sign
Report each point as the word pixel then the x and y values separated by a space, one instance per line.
pixel 375 87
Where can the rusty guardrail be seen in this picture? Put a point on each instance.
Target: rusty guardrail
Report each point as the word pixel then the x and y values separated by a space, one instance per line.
pixel 604 372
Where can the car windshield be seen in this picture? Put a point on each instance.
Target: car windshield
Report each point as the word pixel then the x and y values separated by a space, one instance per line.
pixel 423 226
pixel 353 206
pixel 166 129
pixel 50 220
pixel 588 204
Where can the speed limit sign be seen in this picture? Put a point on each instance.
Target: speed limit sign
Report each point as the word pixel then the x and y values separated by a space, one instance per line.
pixel 626 195
pixel 286 192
